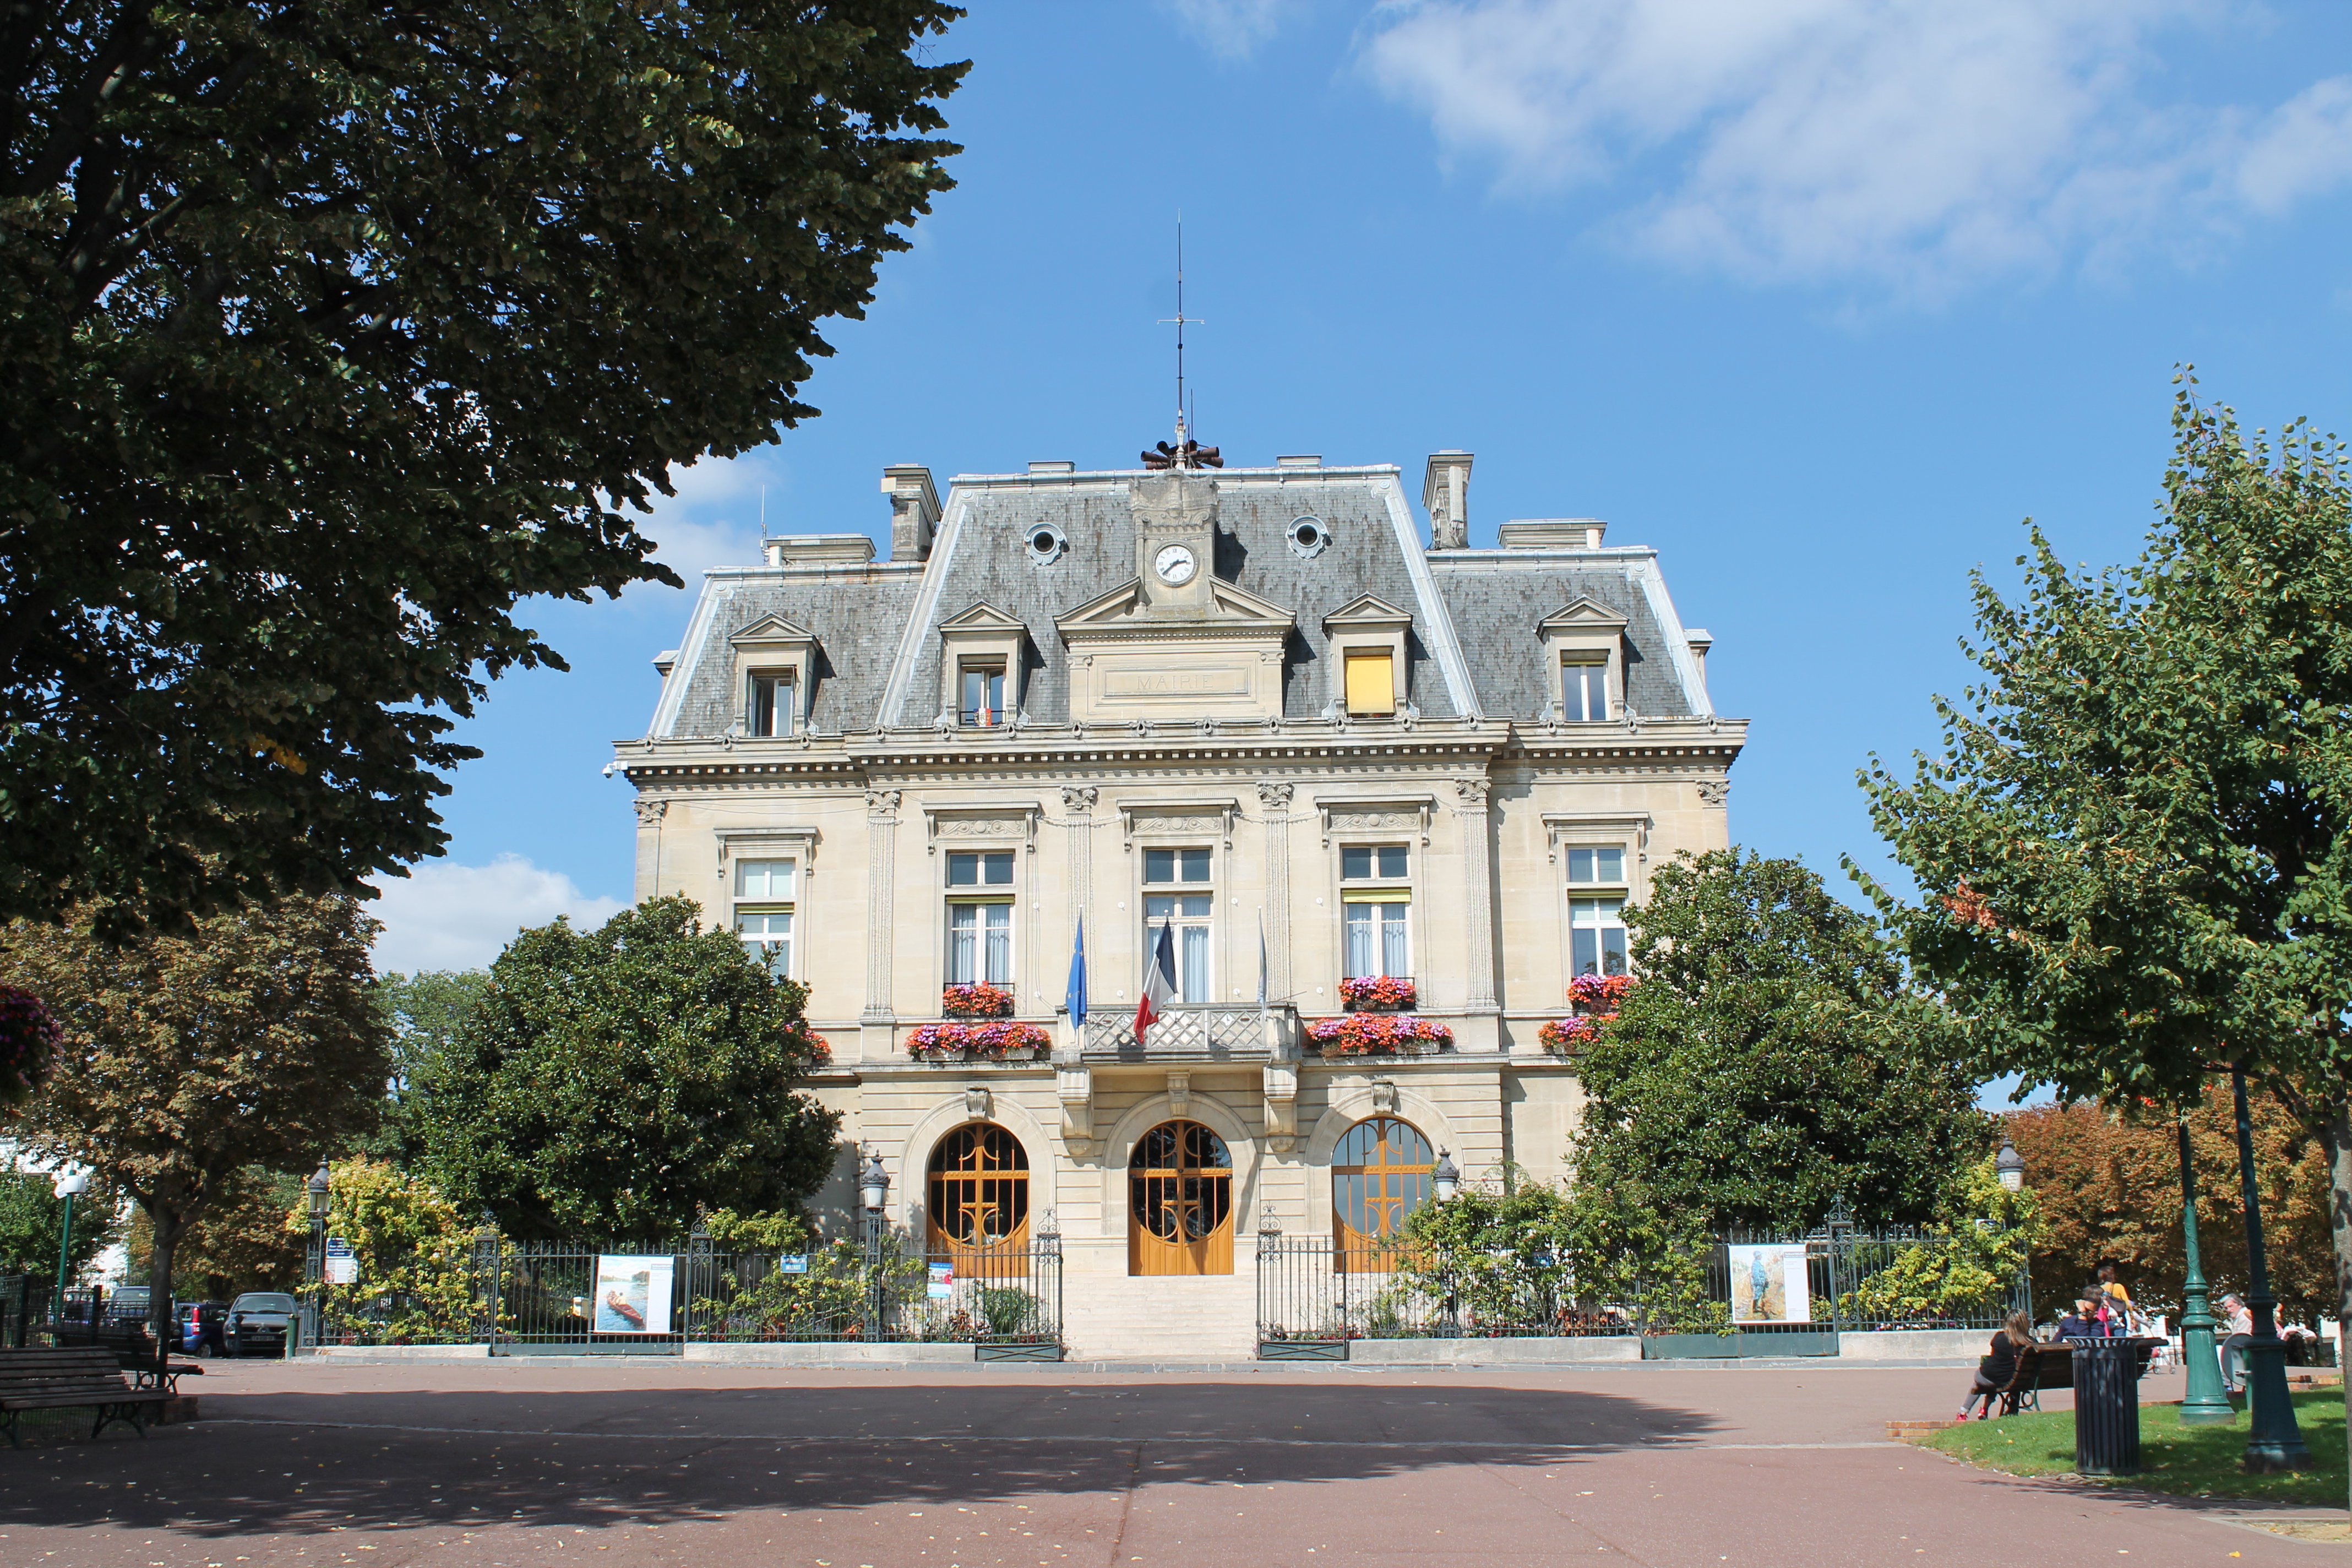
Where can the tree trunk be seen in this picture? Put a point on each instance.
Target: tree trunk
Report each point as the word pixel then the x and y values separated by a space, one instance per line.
pixel 2336 1133
pixel 171 1209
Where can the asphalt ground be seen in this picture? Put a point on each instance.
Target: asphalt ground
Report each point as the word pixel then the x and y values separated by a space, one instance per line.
pixel 651 1461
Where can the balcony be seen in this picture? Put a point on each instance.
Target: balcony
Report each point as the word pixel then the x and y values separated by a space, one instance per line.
pixel 1193 1034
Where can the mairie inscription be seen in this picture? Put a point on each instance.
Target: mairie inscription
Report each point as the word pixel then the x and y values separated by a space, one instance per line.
pixel 1142 682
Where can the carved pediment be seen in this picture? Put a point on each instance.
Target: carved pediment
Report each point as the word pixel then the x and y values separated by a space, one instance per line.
pixel 983 617
pixel 772 631
pixel 1367 612
pixel 1585 614
pixel 1229 607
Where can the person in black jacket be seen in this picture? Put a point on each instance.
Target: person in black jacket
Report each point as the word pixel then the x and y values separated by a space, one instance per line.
pixel 2000 1363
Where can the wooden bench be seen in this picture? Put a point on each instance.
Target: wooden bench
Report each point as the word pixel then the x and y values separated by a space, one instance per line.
pixel 67 1379
pixel 133 1349
pixel 2051 1365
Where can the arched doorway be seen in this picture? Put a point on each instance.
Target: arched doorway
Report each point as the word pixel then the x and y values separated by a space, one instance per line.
pixel 1180 1199
pixel 1381 1172
pixel 978 1196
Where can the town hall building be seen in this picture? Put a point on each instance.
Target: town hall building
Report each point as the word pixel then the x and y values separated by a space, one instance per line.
pixel 1383 798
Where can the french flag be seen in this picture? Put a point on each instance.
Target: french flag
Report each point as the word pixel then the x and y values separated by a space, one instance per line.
pixel 1159 983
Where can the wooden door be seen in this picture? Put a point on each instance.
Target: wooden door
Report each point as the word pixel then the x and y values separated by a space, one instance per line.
pixel 1179 1186
pixel 1381 1172
pixel 978 1198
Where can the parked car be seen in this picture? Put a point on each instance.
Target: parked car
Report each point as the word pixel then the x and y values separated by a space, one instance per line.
pixel 125 1316
pixel 258 1322
pixel 203 1325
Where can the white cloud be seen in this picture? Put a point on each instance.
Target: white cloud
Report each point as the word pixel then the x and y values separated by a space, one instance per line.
pixel 1919 144
pixel 1232 28
pixel 447 916
pixel 714 519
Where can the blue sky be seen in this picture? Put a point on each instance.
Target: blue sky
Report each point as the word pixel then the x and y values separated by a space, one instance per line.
pixel 1820 297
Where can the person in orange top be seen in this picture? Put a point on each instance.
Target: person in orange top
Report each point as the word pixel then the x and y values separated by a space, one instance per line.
pixel 2118 1301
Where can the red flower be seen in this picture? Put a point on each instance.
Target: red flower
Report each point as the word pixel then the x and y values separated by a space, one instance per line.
pixel 1365 1034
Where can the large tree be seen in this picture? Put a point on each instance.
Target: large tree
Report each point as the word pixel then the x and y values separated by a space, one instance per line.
pixel 1772 1057
pixel 612 1083
pixel 2134 851
pixel 331 330
pixel 252 1042
pixel 423 1011
pixel 2109 1186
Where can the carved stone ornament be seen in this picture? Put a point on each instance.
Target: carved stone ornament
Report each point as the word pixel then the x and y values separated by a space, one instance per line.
pixel 1384 1100
pixel 1375 821
pixel 1473 793
pixel 881 803
pixel 977 827
pixel 1078 800
pixel 1714 791
pixel 976 1104
pixel 1273 795
pixel 652 810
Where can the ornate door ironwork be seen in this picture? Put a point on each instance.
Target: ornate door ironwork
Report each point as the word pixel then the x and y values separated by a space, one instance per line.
pixel 979 1192
pixel 1179 1186
pixel 1381 1172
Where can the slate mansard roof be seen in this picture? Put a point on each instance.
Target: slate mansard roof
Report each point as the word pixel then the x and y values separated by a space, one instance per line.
pixel 1473 649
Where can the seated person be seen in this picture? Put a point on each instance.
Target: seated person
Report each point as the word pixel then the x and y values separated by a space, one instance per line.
pixel 2000 1363
pixel 2083 1322
pixel 2238 1320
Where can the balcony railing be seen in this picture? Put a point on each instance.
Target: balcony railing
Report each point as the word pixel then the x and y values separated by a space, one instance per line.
pixel 1238 1034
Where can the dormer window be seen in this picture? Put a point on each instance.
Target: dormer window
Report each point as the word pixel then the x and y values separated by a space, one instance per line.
pixel 1584 687
pixel 982 684
pixel 980 669
pixel 771 711
pixel 1585 643
pixel 1367 644
pixel 1371 682
pixel 774 662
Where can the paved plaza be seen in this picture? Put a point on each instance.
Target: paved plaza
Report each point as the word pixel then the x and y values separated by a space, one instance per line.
pixel 654 1461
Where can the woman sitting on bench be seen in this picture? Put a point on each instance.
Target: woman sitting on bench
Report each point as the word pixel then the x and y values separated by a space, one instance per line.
pixel 2000 1365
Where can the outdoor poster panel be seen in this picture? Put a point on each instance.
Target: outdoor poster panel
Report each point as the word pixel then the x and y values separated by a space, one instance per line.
pixel 633 1294
pixel 1768 1284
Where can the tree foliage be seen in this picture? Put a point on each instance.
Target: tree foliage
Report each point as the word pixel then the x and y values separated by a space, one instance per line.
pixel 612 1083
pixel 1770 1058
pixel 422 1013
pixel 32 1225
pixel 1967 1265
pixel 252 1042
pixel 329 332
pixel 2109 1186
pixel 413 1248
pixel 239 1243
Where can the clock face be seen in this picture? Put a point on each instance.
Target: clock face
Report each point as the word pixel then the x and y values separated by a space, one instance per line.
pixel 1174 565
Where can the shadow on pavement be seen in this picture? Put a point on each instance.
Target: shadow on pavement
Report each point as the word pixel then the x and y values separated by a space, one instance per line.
pixel 317 1462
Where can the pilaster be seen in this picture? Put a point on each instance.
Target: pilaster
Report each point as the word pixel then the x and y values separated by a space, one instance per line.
pixel 1479 911
pixel 1274 798
pixel 882 863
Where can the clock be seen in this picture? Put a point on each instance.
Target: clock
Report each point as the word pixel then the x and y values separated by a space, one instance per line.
pixel 1174 565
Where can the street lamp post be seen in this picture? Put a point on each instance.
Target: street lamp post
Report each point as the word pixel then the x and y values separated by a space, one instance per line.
pixel 315 1264
pixel 71 1184
pixel 1447 1177
pixel 2205 1403
pixel 874 1188
pixel 2274 1442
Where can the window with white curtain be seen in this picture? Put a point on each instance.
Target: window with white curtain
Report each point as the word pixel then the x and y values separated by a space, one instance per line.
pixel 763 911
pixel 1378 933
pixel 979 942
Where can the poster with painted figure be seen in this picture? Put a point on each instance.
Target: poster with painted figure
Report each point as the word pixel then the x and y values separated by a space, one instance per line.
pixel 1768 1284
pixel 633 1294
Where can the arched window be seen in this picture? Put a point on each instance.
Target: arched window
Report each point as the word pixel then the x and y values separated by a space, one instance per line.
pixel 1381 1172
pixel 978 1189
pixel 1179 1194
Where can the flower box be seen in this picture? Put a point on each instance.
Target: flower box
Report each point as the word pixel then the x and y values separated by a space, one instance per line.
pixel 990 1042
pixel 1595 999
pixel 1379 1034
pixel 1378 993
pixel 1566 1036
pixel 978 1000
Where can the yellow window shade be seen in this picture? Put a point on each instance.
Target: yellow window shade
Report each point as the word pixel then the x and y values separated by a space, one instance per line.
pixel 1376 896
pixel 1372 682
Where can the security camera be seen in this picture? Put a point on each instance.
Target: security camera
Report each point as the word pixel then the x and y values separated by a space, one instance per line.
pixel 609 767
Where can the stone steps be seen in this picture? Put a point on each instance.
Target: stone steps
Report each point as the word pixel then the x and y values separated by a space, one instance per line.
pixel 1176 1318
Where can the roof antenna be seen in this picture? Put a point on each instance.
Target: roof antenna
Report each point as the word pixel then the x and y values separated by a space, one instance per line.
pixel 1186 453
pixel 763 512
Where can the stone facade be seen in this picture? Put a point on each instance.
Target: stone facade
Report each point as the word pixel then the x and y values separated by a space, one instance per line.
pixel 1252 698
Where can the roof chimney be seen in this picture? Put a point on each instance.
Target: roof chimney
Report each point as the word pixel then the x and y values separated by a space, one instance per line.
pixel 1445 493
pixel 914 509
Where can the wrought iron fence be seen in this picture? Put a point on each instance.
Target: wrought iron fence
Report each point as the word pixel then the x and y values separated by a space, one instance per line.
pixel 24 1308
pixel 523 1296
pixel 1316 1292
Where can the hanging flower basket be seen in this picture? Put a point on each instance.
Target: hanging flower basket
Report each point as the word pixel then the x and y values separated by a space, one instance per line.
pixel 1379 1034
pixel 978 1000
pixel 990 1042
pixel 1378 993
pixel 30 1039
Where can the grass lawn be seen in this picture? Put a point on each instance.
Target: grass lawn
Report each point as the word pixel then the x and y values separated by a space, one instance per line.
pixel 2196 1461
